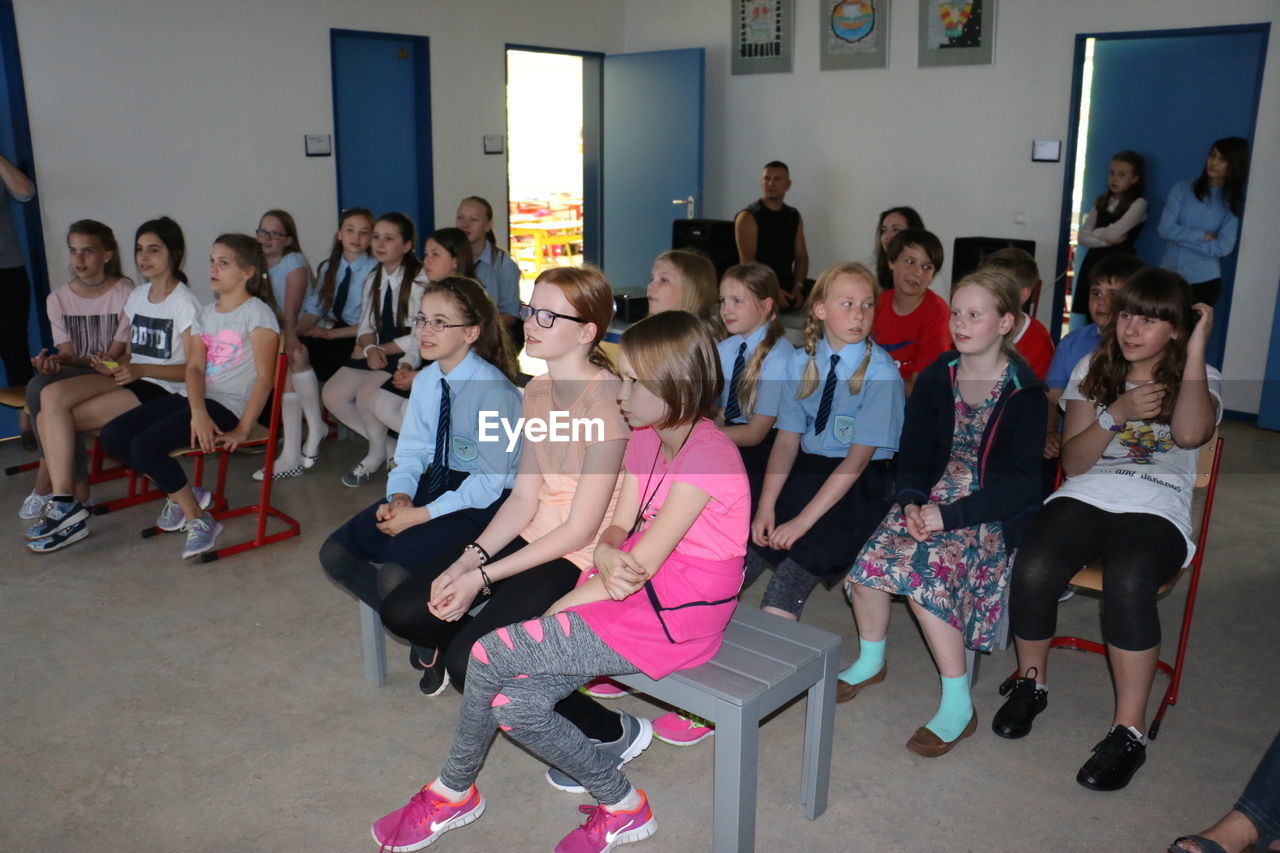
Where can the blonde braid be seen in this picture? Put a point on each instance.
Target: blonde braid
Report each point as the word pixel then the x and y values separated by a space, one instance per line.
pixel 813 330
pixel 859 376
pixel 749 387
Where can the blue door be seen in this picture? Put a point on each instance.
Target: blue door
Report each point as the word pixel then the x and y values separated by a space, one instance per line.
pixel 15 144
pixel 1168 95
pixel 652 157
pixel 382 124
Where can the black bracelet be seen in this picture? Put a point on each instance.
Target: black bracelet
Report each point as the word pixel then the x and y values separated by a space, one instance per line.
pixel 485 578
pixel 479 549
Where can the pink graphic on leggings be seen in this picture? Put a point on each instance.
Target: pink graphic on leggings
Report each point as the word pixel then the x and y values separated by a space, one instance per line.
pixel 224 350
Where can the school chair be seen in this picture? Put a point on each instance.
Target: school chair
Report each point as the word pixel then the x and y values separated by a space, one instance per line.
pixel 263 509
pixel 99 472
pixel 1090 579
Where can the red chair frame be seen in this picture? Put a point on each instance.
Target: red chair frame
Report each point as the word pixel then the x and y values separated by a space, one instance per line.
pixel 1172 671
pixel 263 509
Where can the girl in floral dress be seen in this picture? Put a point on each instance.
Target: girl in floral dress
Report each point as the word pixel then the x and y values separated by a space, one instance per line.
pixel 968 482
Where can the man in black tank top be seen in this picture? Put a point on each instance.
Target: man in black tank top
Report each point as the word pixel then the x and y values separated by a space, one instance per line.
pixel 772 233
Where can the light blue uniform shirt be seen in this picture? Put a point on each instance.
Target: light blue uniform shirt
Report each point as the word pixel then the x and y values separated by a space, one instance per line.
pixel 355 291
pixel 475 386
pixel 278 273
pixel 872 418
pixel 1184 222
pixel 1071 349
pixel 501 279
pixel 773 373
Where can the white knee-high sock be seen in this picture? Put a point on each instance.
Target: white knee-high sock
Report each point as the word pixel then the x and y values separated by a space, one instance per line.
pixel 291 432
pixel 307 387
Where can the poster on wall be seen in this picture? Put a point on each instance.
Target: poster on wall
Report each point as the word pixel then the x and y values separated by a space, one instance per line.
pixel 762 38
pixel 854 34
pixel 957 33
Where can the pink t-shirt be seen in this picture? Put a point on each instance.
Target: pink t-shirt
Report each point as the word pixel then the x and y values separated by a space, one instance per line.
pixel 705 567
pixel 89 325
pixel 561 461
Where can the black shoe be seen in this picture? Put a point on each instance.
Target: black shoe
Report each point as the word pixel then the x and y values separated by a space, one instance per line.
pixel 435 678
pixel 1114 761
pixel 1025 701
pixel 415 661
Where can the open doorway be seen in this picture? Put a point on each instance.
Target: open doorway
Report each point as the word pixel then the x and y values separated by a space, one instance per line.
pixel 1168 95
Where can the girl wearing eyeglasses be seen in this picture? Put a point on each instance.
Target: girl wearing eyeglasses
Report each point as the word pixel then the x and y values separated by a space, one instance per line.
pixel 448 482
pixel 540 542
pixel 391 295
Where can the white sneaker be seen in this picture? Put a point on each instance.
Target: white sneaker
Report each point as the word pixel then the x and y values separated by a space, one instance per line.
pixel 33 507
pixel 202 535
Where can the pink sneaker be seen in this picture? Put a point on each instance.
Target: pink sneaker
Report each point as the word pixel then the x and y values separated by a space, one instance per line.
pixel 604 688
pixel 427 816
pixel 680 729
pixel 606 829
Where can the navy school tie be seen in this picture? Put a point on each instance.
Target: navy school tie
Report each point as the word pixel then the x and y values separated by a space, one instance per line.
pixel 340 298
pixel 388 330
pixel 732 411
pixel 440 463
pixel 828 396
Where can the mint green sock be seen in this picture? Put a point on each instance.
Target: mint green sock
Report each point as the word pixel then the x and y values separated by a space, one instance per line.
pixel 955 710
pixel 870 661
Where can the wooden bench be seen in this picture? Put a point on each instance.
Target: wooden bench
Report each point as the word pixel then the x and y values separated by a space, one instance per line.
pixel 764 662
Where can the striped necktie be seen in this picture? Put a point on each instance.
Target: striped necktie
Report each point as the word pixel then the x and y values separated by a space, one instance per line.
pixel 440 464
pixel 340 298
pixel 732 411
pixel 828 396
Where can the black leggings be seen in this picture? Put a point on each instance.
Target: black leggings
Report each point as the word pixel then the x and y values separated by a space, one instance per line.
pixel 518 598
pixel 143 438
pixel 1139 551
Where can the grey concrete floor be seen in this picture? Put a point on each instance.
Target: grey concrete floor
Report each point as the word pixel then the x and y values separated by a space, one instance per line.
pixel 150 704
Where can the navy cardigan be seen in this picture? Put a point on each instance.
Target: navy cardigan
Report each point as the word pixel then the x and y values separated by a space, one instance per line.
pixel 1009 486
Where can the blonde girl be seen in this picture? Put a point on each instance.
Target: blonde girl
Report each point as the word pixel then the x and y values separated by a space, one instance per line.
pixel 968 480
pixel 685 281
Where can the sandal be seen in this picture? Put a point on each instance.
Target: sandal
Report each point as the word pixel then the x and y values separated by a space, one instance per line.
pixel 1206 845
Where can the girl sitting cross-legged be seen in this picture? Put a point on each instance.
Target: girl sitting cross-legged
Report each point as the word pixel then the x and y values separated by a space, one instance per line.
pixel 666 576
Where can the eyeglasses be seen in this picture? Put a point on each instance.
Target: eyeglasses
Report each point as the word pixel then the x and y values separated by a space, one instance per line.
pixel 264 234
pixel 546 317
pixel 436 324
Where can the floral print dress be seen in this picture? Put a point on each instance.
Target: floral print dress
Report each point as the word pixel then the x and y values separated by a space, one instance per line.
pixel 962 575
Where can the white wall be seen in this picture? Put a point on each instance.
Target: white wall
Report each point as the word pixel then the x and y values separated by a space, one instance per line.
pixel 198 109
pixel 955 143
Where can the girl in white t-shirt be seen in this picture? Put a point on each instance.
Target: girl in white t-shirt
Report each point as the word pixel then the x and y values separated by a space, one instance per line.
pixel 153 365
pixel 231 361
pixel 1138 409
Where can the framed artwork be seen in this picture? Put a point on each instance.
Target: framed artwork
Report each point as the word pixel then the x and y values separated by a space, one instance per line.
pixel 957 33
pixel 762 36
pixel 854 34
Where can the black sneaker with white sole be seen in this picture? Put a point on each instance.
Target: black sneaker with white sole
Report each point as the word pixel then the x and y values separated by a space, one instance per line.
pixel 58 515
pixel 64 537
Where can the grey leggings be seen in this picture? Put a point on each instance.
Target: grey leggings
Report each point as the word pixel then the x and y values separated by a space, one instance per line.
pixel 788 589
pixel 516 676
pixel 37 384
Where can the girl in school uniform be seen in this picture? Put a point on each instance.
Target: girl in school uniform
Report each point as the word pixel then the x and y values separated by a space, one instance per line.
pixel 449 480
pixel 1112 225
pixel 1138 410
pixel 495 269
pixel 753 362
pixel 1201 219
pixel 968 477
pixel 326 332
pixel 153 365
pixel 663 587
pixel 392 293
pixel 829 475
pixel 86 316
pixel 231 361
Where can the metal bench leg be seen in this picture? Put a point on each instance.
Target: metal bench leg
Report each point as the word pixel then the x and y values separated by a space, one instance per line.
pixel 971 662
pixel 736 763
pixel 819 727
pixel 375 646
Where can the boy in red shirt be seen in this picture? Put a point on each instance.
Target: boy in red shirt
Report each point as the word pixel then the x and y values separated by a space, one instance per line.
pixel 912 323
pixel 1032 340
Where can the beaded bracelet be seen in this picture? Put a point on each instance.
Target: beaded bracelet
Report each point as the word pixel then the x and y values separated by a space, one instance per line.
pixel 479 549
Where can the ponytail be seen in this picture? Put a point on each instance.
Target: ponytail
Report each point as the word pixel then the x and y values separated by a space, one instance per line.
pixel 106 239
pixel 478 309
pixel 249 254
